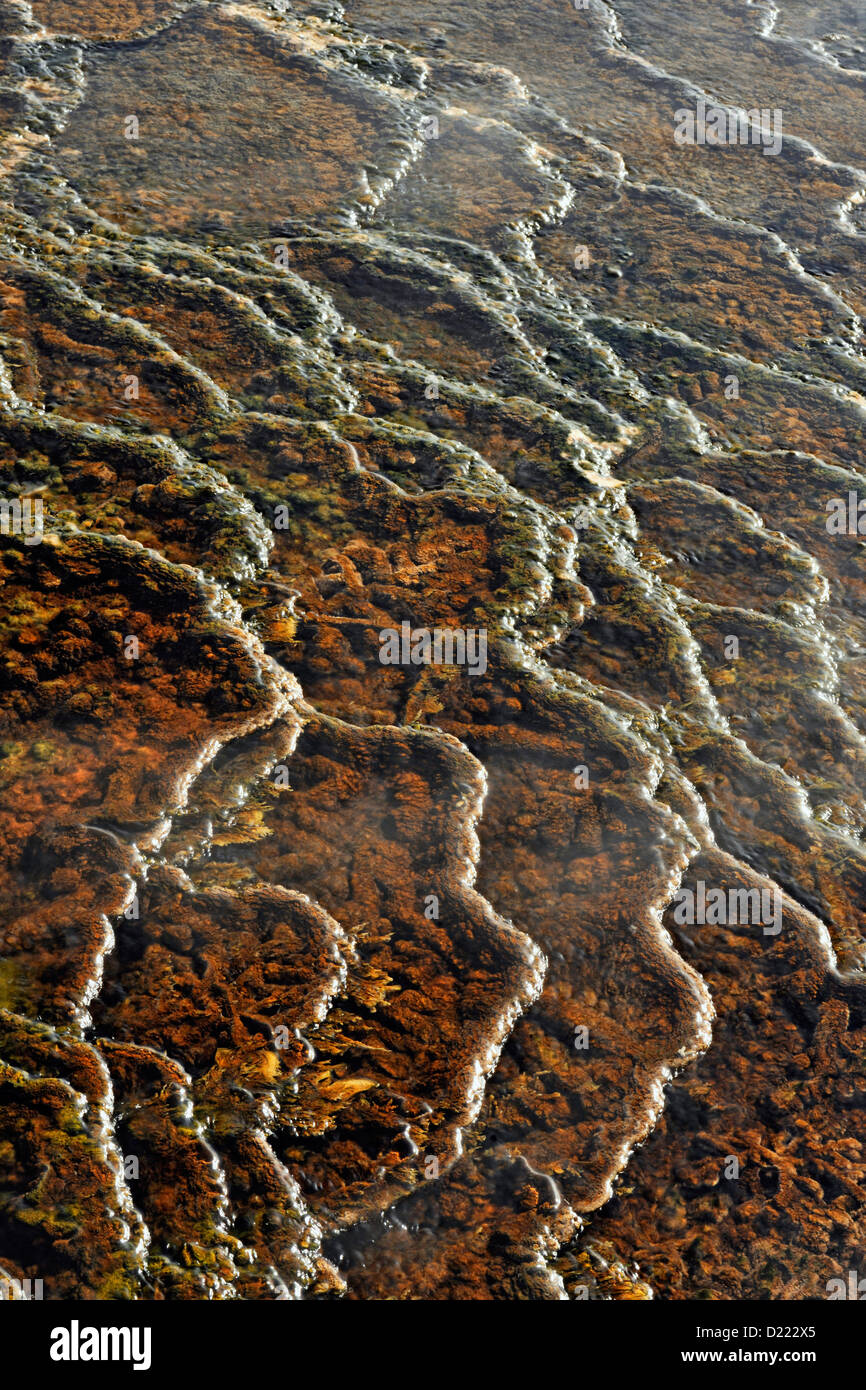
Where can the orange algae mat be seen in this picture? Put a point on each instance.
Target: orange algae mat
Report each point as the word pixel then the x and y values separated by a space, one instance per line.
pixel 433 690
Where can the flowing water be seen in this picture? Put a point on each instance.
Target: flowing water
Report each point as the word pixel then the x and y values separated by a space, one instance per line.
pixel 326 975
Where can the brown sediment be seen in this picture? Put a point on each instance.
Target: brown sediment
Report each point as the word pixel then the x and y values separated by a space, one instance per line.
pixel 326 977
pixel 238 127
pixel 100 741
pixel 104 19
pixel 784 1059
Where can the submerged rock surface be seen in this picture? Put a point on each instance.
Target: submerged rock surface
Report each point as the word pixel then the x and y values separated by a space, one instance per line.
pixel 322 976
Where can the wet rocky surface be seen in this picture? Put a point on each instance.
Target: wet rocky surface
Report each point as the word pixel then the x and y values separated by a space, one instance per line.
pixel 322 977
